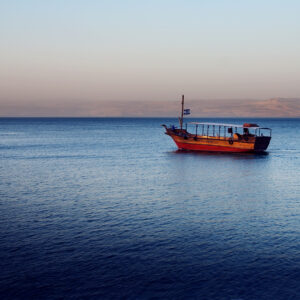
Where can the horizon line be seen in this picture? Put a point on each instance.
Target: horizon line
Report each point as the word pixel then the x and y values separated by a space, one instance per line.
pixel 139 117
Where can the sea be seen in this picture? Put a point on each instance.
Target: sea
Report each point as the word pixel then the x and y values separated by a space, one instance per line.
pixel 108 208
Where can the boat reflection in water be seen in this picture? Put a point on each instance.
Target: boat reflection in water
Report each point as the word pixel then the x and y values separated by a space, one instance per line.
pixel 217 137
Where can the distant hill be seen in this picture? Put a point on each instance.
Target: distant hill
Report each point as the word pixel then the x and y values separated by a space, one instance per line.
pixel 275 107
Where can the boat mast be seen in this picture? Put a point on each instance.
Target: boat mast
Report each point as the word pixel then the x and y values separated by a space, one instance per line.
pixel 182 109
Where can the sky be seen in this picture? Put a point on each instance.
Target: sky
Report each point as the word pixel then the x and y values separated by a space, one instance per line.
pixel 65 54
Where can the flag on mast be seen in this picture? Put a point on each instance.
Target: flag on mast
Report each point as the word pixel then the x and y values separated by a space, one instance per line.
pixel 187 111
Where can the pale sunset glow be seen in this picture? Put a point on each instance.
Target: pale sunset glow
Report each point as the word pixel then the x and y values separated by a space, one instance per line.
pixel 65 58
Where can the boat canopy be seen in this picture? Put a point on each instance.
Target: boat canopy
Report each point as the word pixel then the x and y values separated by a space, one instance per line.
pixel 246 125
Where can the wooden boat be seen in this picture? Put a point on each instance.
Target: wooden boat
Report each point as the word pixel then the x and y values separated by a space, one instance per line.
pixel 217 137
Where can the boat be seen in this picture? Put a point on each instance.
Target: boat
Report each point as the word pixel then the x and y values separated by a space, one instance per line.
pixel 248 137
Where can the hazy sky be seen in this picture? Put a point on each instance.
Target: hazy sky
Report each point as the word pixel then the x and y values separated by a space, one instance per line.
pixel 64 51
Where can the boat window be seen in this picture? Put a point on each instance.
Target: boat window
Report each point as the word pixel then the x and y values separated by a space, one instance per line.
pixel 265 132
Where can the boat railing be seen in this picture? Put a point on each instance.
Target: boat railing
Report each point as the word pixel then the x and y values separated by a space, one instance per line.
pixel 227 131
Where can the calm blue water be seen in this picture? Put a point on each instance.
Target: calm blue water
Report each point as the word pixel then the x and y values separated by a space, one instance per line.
pixel 108 209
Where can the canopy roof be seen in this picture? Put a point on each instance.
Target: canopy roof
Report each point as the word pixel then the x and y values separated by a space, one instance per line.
pixel 225 125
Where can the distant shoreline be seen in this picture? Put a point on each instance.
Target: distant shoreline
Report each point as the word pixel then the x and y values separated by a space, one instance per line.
pixel 205 108
pixel 137 117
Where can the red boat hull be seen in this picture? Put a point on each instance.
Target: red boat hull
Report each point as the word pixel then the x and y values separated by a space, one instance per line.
pixel 235 143
pixel 197 147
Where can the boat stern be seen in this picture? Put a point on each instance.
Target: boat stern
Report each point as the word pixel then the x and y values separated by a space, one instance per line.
pixel 261 143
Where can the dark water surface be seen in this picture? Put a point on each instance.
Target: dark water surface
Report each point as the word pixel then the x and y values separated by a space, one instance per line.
pixel 107 208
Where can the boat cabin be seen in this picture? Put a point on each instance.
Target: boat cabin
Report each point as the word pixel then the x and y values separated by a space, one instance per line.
pixel 225 131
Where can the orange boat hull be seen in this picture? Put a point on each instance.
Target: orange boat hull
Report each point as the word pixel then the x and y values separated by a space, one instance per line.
pixel 201 147
pixel 219 144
